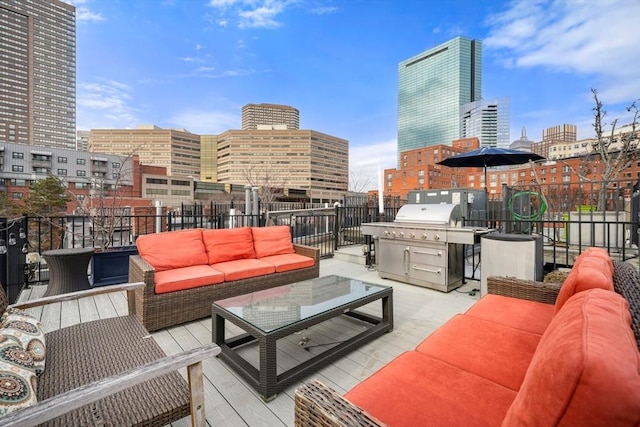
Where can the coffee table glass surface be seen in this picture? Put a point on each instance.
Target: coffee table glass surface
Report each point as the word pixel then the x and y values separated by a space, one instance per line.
pixel 284 305
pixel 269 315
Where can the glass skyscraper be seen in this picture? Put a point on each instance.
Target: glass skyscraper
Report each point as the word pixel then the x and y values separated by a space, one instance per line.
pixel 38 73
pixel 487 120
pixel 433 87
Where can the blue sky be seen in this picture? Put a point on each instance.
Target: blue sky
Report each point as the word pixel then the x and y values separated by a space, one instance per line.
pixel 194 63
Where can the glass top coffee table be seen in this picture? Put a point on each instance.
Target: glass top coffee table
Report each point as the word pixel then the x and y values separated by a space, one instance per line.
pixel 266 316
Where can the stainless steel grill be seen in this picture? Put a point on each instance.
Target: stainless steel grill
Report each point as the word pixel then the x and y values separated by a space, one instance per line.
pixel 423 245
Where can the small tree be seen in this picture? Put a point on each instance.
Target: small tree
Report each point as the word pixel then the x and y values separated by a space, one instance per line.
pixel 605 161
pixel 269 183
pixel 46 198
pixel 358 183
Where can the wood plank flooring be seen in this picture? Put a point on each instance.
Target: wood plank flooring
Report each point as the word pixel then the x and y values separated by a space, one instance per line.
pixel 229 400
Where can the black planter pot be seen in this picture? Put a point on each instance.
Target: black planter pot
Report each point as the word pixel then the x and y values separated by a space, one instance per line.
pixel 111 266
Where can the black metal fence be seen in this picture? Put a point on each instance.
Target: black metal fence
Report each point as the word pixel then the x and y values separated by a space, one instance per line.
pixel 567 217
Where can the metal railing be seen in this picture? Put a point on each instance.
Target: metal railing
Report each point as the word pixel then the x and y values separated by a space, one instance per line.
pixel 565 217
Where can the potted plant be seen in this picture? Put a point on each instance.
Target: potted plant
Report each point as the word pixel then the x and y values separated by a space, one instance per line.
pixel 109 220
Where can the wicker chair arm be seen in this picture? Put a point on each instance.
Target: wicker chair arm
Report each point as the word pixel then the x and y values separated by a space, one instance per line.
pixel 317 405
pixel 129 287
pixel 141 271
pixel 309 251
pixel 523 289
pixel 51 408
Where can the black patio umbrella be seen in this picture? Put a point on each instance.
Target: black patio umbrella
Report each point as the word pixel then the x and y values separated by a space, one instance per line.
pixel 489 156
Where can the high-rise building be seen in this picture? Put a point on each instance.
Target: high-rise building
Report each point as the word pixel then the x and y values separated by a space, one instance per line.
pixel 38 73
pixel 177 150
pixel 556 134
pixel 306 160
pixel 487 120
pixel 432 88
pixel 270 116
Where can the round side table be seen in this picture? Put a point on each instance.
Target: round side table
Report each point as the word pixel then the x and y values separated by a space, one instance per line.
pixel 67 270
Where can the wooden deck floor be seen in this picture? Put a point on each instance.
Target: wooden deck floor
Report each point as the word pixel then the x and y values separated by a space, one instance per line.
pixel 229 400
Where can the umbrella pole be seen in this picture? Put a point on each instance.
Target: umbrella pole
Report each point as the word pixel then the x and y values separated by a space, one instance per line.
pixel 486 195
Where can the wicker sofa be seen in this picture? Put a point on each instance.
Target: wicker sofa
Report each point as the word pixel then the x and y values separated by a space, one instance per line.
pixel 102 372
pixel 185 271
pixel 510 360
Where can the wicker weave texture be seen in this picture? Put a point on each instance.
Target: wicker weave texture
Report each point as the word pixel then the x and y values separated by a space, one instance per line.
pixel 626 282
pixel 87 352
pixel 157 311
pixel 523 289
pixel 316 405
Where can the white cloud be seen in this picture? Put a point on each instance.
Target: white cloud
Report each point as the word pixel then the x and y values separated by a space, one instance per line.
pixel 105 104
pixel 324 10
pixel 258 13
pixel 367 161
pixel 206 122
pixel 593 38
pixel 83 13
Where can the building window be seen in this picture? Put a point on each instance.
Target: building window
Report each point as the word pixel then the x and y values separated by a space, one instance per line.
pixel 62 160
pixel 81 161
pixel 17 168
pixel 116 175
pixel 81 173
pixel 16 196
pixel 115 165
pixel 17 155
pixel 62 171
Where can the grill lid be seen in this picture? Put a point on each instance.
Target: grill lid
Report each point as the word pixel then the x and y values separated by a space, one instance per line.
pixel 442 214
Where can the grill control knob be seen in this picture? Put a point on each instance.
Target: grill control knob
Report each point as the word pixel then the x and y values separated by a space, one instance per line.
pixel 424 237
pixel 436 237
pixel 393 233
pixel 401 234
pixel 386 233
pixel 412 235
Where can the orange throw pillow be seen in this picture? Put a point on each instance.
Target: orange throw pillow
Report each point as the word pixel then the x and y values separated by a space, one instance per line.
pixel 586 369
pixel 274 240
pixel 593 269
pixel 228 244
pixel 173 249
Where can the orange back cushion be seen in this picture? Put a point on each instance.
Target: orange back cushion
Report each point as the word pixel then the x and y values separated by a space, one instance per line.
pixel 173 249
pixel 593 269
pixel 586 369
pixel 228 244
pixel 274 240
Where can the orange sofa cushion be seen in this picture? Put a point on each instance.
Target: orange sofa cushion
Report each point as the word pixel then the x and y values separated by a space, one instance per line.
pixel 418 390
pixel 228 244
pixel 496 352
pixel 274 240
pixel 525 315
pixel 593 269
pixel 243 269
pixel 186 278
pixel 288 262
pixel 586 370
pixel 173 249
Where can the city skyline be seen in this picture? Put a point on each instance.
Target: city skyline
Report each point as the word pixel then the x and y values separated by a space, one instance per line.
pixel 194 64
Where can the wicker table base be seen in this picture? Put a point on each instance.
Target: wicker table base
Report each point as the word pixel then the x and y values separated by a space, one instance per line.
pixel 266 379
pixel 67 270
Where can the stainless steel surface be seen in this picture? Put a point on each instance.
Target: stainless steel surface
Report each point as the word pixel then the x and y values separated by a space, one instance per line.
pixel 423 245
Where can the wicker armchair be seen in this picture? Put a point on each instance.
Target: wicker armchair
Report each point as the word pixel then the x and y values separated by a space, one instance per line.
pixel 112 372
pixel 317 405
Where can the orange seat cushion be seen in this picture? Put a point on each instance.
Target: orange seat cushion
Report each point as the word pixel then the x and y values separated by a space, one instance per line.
pixel 186 278
pixel 243 269
pixel 228 244
pixel 586 370
pixel 288 262
pixel 417 390
pixel 593 269
pixel 525 315
pixel 274 240
pixel 496 352
pixel 173 249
